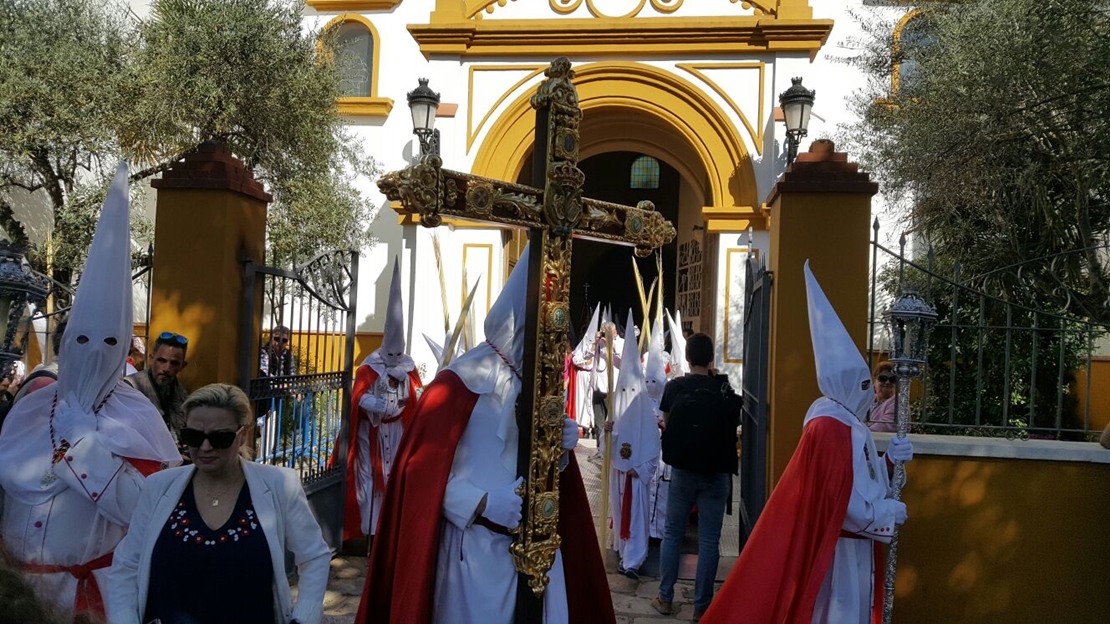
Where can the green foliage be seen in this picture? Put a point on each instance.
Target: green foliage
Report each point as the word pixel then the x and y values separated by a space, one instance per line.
pixel 995 364
pixel 83 83
pixel 999 150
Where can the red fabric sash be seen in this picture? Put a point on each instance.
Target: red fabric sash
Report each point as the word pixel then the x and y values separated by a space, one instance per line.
pixel 783 564
pixel 626 508
pixel 400 580
pixel 570 373
pixel 88 599
pixel 364 382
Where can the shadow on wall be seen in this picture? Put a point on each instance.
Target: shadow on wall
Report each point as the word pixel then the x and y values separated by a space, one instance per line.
pixel 1003 540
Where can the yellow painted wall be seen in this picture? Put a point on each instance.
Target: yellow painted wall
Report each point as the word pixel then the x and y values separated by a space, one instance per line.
pixel 1100 393
pixel 197 286
pixel 825 229
pixel 1004 540
pixel 325 351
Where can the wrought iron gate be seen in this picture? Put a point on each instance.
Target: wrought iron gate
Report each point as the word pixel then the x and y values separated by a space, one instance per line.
pixel 296 361
pixel 753 444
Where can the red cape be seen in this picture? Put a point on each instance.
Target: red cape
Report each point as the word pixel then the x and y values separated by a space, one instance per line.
pixel 364 381
pixel 400 582
pixel 781 569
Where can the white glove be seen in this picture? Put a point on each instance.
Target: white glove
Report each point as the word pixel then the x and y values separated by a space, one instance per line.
pixel 570 434
pixel 503 506
pixel 371 403
pixel 899 512
pixel 900 449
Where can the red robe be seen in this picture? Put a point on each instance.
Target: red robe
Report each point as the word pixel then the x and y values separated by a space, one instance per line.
pixel 782 566
pixel 365 377
pixel 401 579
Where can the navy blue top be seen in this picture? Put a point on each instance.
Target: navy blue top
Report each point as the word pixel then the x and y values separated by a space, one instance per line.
pixel 204 576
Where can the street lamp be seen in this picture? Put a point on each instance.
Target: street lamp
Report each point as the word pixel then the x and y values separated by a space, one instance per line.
pixel 796 103
pixel 423 103
pixel 911 321
pixel 18 287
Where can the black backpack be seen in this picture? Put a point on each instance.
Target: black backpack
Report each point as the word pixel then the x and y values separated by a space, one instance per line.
pixel 695 425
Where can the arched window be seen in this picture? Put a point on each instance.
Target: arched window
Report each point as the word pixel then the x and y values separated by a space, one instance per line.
pixel 645 173
pixel 356 47
pixel 913 34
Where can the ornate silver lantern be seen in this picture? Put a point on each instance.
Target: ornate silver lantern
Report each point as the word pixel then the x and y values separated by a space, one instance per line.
pixel 19 285
pixel 911 320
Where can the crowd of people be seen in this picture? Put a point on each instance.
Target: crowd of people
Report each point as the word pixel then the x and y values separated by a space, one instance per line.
pixel 126 497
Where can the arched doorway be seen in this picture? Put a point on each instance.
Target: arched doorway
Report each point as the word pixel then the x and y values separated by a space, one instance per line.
pixel 602 272
pixel 641 110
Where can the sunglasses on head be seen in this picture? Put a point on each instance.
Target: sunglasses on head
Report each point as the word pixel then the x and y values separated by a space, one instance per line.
pixel 178 338
pixel 218 439
pixel 887 378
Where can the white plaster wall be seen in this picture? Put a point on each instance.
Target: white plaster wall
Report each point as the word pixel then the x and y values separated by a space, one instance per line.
pixel 731 266
pixel 390 140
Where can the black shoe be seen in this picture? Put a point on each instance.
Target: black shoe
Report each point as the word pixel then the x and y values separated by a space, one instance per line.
pixel 632 574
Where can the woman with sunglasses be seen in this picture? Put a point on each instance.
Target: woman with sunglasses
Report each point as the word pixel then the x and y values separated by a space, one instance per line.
pixel 883 412
pixel 207 542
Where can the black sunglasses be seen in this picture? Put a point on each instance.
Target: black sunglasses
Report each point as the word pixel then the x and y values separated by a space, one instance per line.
pixel 218 439
pixel 178 338
pixel 886 378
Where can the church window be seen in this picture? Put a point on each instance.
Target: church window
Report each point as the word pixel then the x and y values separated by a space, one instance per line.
pixel 356 46
pixel 913 35
pixel 645 173
pixel 354 49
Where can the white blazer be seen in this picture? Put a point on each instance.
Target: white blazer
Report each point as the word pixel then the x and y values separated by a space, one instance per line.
pixel 287 522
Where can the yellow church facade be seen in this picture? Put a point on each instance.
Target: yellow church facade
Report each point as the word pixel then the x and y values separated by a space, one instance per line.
pixel 680 101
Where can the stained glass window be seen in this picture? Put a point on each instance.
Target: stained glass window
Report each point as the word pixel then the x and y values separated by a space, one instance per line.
pixel 645 173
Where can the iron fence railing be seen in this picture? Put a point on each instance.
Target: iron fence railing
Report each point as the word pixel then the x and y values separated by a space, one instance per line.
pixel 297 365
pixel 996 366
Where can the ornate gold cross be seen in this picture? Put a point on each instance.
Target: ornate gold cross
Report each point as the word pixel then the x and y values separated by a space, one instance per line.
pixel 554 212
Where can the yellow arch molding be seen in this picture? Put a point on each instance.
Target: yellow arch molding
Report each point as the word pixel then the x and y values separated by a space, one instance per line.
pixel 695 69
pixel 896 49
pixel 643 91
pixel 372 106
pixel 472 130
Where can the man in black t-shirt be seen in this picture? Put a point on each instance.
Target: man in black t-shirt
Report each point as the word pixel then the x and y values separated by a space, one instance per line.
pixel 706 479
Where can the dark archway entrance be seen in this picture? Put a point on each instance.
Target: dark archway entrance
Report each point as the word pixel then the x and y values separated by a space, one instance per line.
pixel 602 272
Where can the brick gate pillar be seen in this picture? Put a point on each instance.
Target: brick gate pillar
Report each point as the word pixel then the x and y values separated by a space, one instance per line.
pixel 820 211
pixel 211 214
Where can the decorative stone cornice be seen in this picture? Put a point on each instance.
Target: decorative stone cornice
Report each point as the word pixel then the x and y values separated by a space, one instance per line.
pixel 640 37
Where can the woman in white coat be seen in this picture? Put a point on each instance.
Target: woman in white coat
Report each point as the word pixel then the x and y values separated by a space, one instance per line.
pixel 207 541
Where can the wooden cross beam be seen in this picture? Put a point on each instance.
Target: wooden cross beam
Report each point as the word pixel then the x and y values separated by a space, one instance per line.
pixel 554 212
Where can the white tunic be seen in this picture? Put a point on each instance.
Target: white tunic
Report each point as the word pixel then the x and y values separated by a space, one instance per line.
pixel 73 526
pixel 636 433
pixel 847 593
pixel 72 512
pixel 583 393
pixel 389 440
pixel 475 577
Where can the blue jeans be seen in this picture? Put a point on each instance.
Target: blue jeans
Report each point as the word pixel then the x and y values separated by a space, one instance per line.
pixel 710 492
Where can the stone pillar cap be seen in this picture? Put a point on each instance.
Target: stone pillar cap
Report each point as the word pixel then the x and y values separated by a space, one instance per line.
pixel 822 169
pixel 211 166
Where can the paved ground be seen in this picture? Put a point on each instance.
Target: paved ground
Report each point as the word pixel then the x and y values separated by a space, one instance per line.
pixel 631 599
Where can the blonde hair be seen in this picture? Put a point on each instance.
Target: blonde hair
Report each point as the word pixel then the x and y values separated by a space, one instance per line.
pixel 226 397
